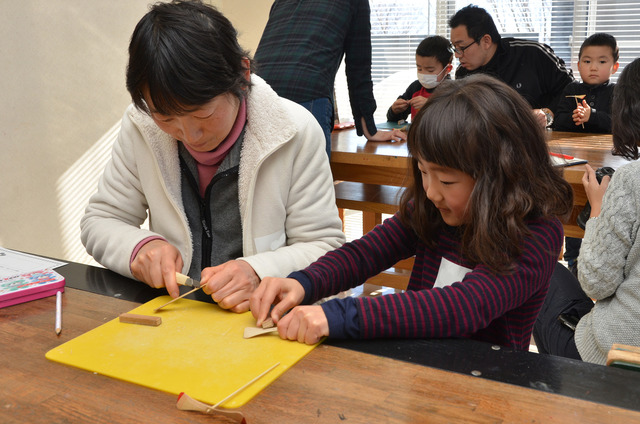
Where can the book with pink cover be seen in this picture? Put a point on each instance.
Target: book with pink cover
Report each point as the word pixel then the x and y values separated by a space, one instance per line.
pixel 30 286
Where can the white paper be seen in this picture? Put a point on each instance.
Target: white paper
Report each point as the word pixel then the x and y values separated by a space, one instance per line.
pixel 14 263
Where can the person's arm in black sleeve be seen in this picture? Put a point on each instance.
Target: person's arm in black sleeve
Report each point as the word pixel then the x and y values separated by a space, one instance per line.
pixel 357 49
pixel 558 76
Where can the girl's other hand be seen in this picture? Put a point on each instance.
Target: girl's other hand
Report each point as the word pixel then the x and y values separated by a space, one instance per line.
pixel 284 293
pixel 306 324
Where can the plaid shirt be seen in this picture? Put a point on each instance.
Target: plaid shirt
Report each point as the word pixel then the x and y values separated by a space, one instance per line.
pixel 302 47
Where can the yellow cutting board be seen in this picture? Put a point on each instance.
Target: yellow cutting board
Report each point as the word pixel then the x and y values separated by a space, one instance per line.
pixel 198 349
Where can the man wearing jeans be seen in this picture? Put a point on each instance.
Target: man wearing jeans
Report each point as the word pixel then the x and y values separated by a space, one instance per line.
pixel 300 52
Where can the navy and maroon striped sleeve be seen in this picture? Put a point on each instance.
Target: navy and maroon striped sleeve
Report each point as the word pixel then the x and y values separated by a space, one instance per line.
pixel 500 307
pixel 353 263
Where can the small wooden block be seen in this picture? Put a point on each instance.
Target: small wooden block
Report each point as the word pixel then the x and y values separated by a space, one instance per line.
pixel 141 319
pixel 256 331
pixel 267 323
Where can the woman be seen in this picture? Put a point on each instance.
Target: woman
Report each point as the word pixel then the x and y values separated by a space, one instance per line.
pixel 609 261
pixel 233 178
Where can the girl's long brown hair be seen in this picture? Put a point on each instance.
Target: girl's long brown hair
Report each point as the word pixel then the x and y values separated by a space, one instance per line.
pixel 625 110
pixel 484 128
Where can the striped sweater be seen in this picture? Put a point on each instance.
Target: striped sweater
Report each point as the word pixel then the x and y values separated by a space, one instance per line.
pixel 499 309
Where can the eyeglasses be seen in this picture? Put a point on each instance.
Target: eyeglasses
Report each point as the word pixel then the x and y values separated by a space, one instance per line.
pixel 460 50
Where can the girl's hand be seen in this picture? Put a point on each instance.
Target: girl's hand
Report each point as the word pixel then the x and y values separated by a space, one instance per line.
pixel 595 192
pixel 284 293
pixel 156 264
pixel 230 284
pixel 306 324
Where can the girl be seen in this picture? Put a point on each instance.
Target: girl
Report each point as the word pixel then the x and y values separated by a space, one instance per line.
pixel 479 217
pixel 609 262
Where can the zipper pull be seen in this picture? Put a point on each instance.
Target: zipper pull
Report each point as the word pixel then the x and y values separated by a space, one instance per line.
pixel 206 228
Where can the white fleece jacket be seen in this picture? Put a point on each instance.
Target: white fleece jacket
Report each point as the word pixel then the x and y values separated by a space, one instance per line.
pixel 285 188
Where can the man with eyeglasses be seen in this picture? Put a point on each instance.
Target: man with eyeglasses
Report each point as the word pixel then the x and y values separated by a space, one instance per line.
pixel 531 68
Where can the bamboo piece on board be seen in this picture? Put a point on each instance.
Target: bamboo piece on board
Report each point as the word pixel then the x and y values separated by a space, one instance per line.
pixel 250 332
pixel 150 320
pixel 267 323
pixel 267 327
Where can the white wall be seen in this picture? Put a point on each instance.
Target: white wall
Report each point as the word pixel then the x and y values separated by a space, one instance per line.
pixel 62 71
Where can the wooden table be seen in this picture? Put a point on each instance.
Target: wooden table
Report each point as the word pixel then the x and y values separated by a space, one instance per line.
pixel 384 381
pixel 354 158
pixel 596 149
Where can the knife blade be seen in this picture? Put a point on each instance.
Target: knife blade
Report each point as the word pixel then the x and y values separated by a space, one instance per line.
pixel 185 280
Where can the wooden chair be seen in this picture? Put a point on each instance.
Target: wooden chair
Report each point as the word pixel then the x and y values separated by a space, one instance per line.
pixel 374 200
pixel 624 356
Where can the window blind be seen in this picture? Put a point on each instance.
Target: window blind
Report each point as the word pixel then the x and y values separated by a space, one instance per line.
pixel 398 26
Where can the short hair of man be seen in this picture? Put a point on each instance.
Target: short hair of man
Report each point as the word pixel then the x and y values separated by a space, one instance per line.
pixel 438 47
pixel 625 112
pixel 478 22
pixel 601 39
pixel 183 54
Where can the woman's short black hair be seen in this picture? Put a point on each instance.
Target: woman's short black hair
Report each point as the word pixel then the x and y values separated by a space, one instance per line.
pixel 183 54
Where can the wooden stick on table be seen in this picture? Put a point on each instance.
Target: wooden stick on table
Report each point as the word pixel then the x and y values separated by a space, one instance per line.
pixel 246 385
pixel 187 403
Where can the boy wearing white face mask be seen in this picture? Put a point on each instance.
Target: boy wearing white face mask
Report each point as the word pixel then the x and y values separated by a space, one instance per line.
pixel 433 61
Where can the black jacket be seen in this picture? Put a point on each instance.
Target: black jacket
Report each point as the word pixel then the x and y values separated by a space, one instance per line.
pixel 531 68
pixel 599 99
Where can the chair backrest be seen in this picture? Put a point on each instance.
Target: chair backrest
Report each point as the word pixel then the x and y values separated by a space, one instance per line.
pixel 624 356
